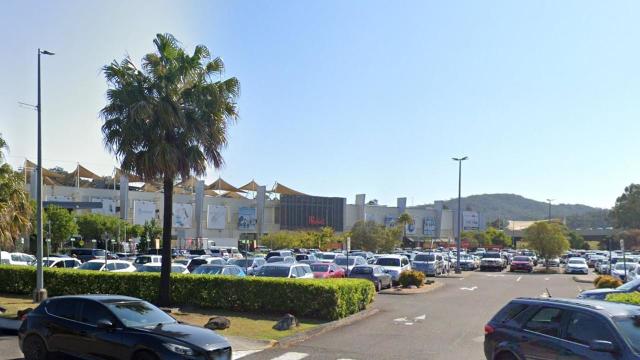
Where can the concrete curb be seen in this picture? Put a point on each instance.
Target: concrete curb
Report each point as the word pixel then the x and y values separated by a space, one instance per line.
pixel 321 329
pixel 584 281
pixel 240 343
pixel 422 290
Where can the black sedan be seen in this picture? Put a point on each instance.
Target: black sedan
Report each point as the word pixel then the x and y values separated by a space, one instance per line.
pixel 114 327
pixel 375 273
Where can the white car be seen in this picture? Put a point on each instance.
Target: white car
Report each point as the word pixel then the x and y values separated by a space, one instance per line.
pixel 61 262
pixel 291 271
pixel 146 259
pixel 341 261
pixel 16 258
pixel 576 265
pixel 394 265
pixel 618 271
pixel 175 268
pixel 111 266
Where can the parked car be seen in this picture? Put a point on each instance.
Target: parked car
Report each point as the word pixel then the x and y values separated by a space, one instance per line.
pixel 112 266
pixel 16 258
pixel 618 271
pixel 327 270
pixel 532 255
pixel 326 257
pixel 146 259
pixel 563 329
pixel 394 265
pixel 430 264
pixel 114 327
pixel 153 267
pixel 281 259
pixel 376 273
pixel 295 271
pixel 593 259
pixel 492 261
pixel 61 262
pixel 553 262
pixel 281 253
pixel 307 257
pixel 467 262
pixel 521 263
pixel 85 255
pixel 576 265
pixel 202 260
pixel 249 265
pixel 601 294
pixel 232 270
pixel 602 266
pixel 342 262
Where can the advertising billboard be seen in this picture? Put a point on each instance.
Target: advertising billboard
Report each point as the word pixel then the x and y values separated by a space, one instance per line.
pixel 108 206
pixel 308 212
pixel 182 215
pixel 470 221
pixel 389 221
pixel 411 228
pixel 247 219
pixel 143 211
pixel 429 226
pixel 216 217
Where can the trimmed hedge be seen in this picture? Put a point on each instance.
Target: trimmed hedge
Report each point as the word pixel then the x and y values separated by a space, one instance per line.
pixel 630 298
pixel 606 282
pixel 329 299
pixel 411 277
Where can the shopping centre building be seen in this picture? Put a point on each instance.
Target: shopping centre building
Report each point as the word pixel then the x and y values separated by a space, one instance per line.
pixel 222 214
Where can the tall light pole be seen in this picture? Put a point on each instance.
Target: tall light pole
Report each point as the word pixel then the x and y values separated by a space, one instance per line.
pixel 549 218
pixel 459 160
pixel 40 293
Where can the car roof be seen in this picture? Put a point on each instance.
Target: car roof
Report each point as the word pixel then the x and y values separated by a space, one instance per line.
pixel 98 297
pixel 280 264
pixel 607 308
pixel 393 256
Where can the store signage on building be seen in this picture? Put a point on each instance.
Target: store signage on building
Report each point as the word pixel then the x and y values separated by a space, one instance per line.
pixel 470 221
pixel 306 212
pixel 429 226
pixel 247 219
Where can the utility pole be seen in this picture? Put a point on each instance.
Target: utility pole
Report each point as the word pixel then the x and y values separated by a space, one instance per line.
pixel 459 160
pixel 549 218
pixel 40 293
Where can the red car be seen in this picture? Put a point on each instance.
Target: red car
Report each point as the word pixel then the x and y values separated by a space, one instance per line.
pixel 521 263
pixel 326 271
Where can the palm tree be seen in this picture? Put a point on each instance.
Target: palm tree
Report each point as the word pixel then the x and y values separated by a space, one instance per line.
pixel 404 219
pixel 167 120
pixel 15 207
pixel 3 147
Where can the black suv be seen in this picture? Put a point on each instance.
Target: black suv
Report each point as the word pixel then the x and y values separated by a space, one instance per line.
pixel 85 255
pixel 563 329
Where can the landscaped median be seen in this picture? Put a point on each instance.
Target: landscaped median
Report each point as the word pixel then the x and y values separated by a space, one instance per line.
pixel 329 299
pixel 629 298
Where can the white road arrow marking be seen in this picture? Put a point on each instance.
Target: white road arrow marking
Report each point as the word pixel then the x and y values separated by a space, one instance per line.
pixel 408 323
pixel 242 353
pixel 469 289
pixel 519 278
pixel 403 319
pixel 291 356
pixel 420 318
pixel 501 275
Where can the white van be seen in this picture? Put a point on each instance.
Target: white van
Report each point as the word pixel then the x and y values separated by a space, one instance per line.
pixel 16 258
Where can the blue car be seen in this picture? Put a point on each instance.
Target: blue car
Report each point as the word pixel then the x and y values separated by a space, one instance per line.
pixel 601 294
pixel 529 328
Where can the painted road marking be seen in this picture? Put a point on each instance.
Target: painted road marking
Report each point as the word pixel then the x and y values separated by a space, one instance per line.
pixel 402 319
pixel 501 275
pixel 546 278
pixel 469 289
pixel 408 323
pixel 291 356
pixel 519 278
pixel 420 318
pixel 240 354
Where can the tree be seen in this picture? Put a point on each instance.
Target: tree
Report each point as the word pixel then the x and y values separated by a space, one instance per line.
pixel 626 212
pixel 497 237
pixel 15 207
pixel 548 239
pixel 63 226
pixel 405 219
pixel 168 120
pixel 3 147
pixel 576 241
pixel 369 236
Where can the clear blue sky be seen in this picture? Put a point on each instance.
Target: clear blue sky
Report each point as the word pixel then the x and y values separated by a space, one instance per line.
pixel 345 97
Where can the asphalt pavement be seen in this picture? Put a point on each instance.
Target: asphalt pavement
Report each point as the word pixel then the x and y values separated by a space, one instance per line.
pixel 446 323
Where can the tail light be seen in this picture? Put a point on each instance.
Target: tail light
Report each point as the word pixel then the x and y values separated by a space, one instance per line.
pixel 488 329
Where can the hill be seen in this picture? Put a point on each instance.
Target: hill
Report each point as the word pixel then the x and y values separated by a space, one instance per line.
pixel 511 206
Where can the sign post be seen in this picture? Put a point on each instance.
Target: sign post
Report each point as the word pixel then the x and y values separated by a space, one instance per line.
pixel 624 259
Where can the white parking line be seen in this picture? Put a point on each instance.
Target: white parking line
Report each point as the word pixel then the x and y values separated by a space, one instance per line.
pixel 469 289
pixel 291 356
pixel 242 353
pixel 519 278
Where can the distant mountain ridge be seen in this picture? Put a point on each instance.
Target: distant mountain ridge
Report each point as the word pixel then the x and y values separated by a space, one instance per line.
pixel 517 207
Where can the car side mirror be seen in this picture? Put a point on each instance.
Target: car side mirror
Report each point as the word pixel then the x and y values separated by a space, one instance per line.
pixel 602 346
pixel 104 324
pixel 293 276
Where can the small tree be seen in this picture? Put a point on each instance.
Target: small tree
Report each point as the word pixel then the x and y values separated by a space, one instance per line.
pixel 548 239
pixel 405 219
pixel 365 235
pixel 63 226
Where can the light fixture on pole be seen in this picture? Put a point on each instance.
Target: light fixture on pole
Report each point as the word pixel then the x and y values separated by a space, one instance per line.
pixel 549 218
pixel 40 293
pixel 459 160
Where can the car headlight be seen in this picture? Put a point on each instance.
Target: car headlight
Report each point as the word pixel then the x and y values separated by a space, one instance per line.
pixel 179 349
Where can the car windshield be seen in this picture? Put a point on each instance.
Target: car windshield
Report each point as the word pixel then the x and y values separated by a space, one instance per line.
pixel 342 261
pixel 362 270
pixel 274 271
pixel 424 257
pixel 208 270
pixel 522 258
pixel 319 268
pixel 241 262
pixel 327 256
pixel 143 260
pixel 629 327
pixel 91 266
pixel 621 266
pixel 275 259
pixel 388 262
pixel 576 261
pixel 139 314
pixel 491 256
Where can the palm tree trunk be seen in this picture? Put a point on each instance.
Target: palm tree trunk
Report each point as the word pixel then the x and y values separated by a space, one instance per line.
pixel 165 273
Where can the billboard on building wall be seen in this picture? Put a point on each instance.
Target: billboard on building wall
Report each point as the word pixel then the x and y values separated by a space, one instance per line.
pixel 143 211
pixel 390 221
pixel 216 217
pixel 411 228
pixel 182 215
pixel 308 212
pixel 429 226
pixel 470 221
pixel 108 206
pixel 247 219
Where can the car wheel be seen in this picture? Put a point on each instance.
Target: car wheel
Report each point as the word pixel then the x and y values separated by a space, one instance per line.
pixel 506 356
pixel 34 348
pixel 378 286
pixel 144 355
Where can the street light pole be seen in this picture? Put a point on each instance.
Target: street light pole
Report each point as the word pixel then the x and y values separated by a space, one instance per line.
pixel 40 293
pixel 459 160
pixel 549 218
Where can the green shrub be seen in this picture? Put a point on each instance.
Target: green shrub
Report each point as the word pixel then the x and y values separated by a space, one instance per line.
pixel 321 299
pixel 607 282
pixel 630 298
pixel 411 277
